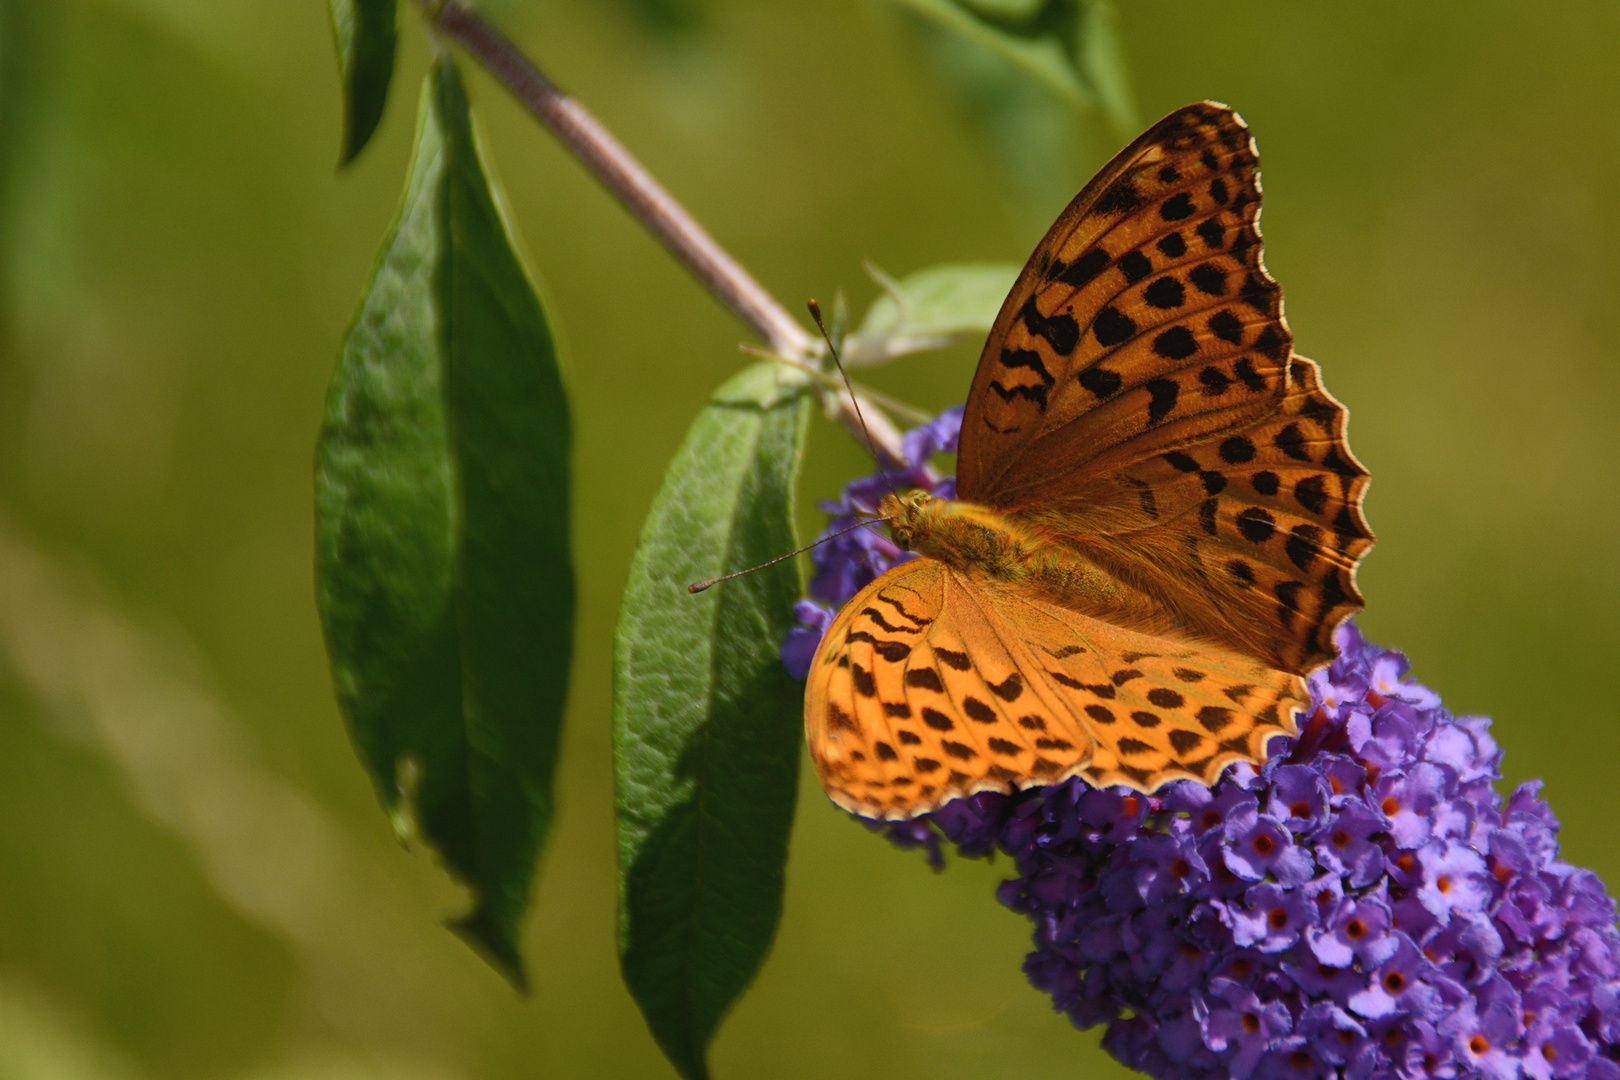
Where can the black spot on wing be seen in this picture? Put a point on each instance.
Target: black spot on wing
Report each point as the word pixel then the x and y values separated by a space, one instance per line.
pixel 926 679
pixel 1248 375
pixel 1059 330
pixel 1009 688
pixel 1303 545
pixel 1176 343
pixel 1113 327
pixel 1135 266
pixel 1213 381
pixel 1271 343
pixel 1177 207
pixel 1120 198
pixel 1287 600
pixel 1185 741
pixel 1163 398
pixel 1085 268
pixel 1258 294
pixel 1311 493
pixel 1226 326
pixel 1181 462
pixel 1172 245
pixel 1165 293
pixel 1256 525
pixel 979 710
pixel 1209 278
pixel 1291 441
pixel 1101 382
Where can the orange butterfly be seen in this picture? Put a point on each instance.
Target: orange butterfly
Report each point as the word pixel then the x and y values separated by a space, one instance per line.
pixel 1159 520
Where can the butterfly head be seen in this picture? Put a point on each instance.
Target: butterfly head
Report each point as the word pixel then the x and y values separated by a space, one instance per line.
pixel 909 516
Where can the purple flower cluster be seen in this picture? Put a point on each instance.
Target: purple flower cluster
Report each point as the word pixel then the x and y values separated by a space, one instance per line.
pixel 1363 906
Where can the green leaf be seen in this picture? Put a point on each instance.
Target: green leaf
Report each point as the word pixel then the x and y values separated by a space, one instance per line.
pixel 366 33
pixel 707 723
pixel 930 309
pixel 1070 46
pixel 1028 43
pixel 444 575
pixel 1102 62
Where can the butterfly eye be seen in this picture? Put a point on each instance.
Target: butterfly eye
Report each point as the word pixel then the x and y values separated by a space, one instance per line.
pixel 902 539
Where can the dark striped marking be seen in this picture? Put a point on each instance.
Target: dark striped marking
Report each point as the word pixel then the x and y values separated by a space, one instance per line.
pixel 1166 698
pixel 978 710
pixel 1185 741
pixel 926 679
pixel 1009 688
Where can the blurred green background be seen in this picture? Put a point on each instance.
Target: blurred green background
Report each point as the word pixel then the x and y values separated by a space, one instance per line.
pixel 195 880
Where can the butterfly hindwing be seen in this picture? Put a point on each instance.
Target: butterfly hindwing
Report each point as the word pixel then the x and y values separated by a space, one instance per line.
pixel 907 706
pixel 933 684
pixel 1158 708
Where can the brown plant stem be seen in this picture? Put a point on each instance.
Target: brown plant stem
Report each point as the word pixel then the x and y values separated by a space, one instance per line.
pixel 628 181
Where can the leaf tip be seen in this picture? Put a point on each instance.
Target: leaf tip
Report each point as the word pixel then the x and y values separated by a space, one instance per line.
pixel 484 934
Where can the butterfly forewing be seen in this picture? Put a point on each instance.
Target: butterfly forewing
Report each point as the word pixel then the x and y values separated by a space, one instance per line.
pixel 1180 444
pixel 1146 304
pixel 934 684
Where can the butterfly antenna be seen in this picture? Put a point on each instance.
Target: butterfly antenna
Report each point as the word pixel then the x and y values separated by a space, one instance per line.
pixel 699 586
pixel 815 313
